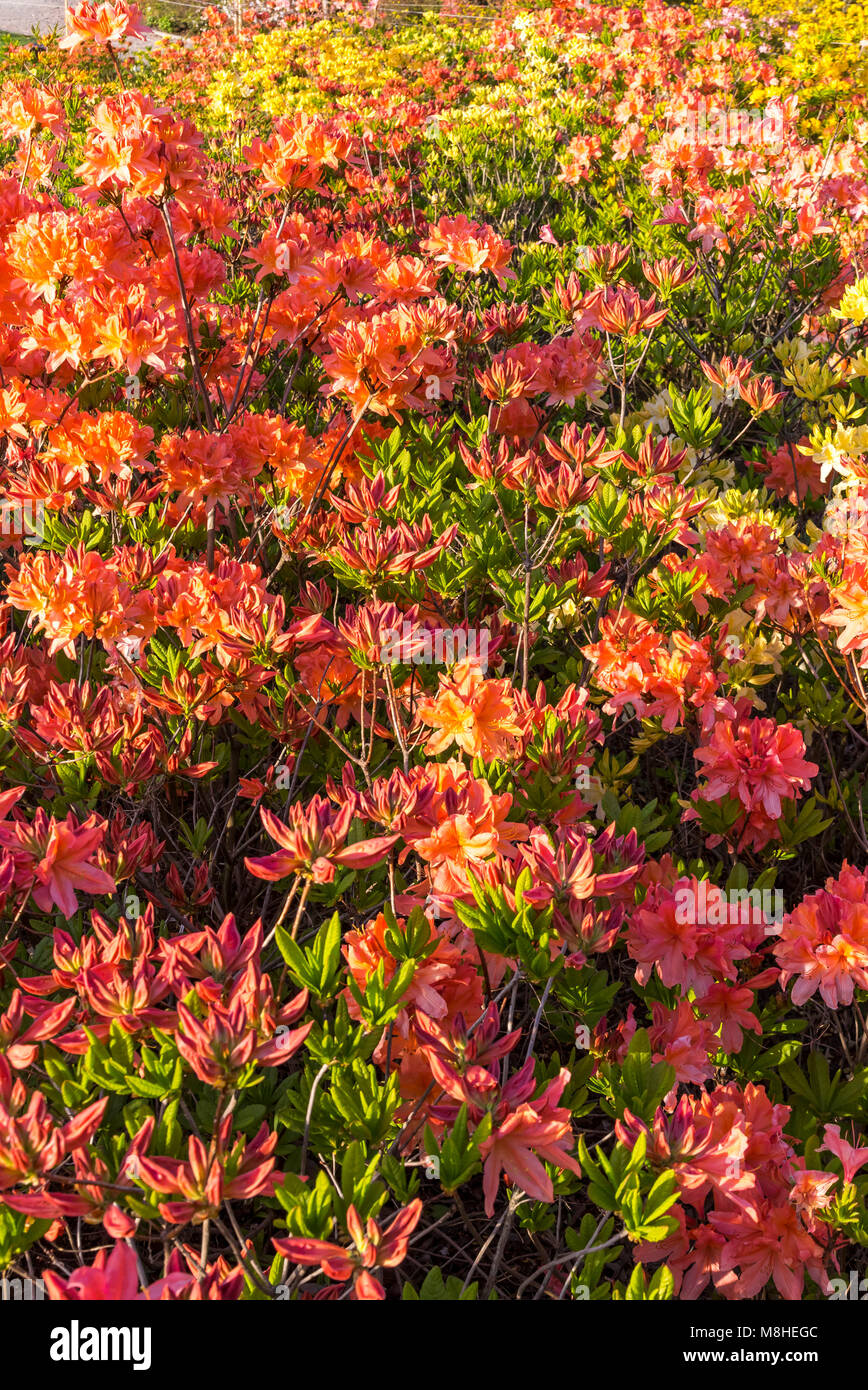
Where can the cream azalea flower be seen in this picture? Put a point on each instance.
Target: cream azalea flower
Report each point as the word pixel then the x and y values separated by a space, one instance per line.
pixel 792 350
pixel 656 412
pixel 691 457
pixel 835 452
pixel 857 365
pixel 830 460
pixel 563 616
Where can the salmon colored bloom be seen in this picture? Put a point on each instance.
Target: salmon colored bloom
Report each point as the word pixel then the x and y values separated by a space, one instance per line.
pixel 373 1248
pixel 579 157
pixel 728 1008
pixel 366 949
pixel 313 844
pixel 851 1158
pixel 61 853
pixel 114 1277
pixel 810 1192
pixel 461 828
pixel 692 935
pixel 761 763
pixel 683 1040
pixel 824 941
pixel 769 1244
pixel 793 472
pixel 523 1137
pixel 850 612
pixel 25 108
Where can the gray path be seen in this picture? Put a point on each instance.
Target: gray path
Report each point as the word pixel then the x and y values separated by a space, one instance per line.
pixel 16 17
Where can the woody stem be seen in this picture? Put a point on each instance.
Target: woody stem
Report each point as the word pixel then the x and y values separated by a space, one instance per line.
pixel 301 904
pixel 287 902
pixel 188 321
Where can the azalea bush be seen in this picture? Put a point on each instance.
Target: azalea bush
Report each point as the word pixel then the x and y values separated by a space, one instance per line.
pixel 433 702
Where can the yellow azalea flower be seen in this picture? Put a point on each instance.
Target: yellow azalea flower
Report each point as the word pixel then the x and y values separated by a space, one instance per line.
pixel 854 302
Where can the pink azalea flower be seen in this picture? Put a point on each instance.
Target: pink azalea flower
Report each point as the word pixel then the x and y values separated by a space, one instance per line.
pixel 852 1159
pixel 58 855
pixel 761 763
pixel 770 1243
pixel 728 1008
pixel 65 867
pixel 824 941
pixel 535 1131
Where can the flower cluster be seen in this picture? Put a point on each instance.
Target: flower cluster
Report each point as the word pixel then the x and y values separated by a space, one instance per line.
pixel 433 633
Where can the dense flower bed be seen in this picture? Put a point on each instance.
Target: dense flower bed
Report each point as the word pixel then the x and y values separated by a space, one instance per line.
pixel 433 710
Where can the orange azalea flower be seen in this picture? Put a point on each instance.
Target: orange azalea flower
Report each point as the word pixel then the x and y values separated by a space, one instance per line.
pixel 76 593
pixel 133 143
pixel 104 24
pixel 477 714
pixel 203 469
pixel 851 612
pixel 579 157
pixel 129 335
pixel 366 949
pixel 45 249
pixel 13 411
pixel 64 336
pixel 389 362
pixel 295 155
pixel 465 826
pixel 105 446
pixel 469 246
pixel 24 107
